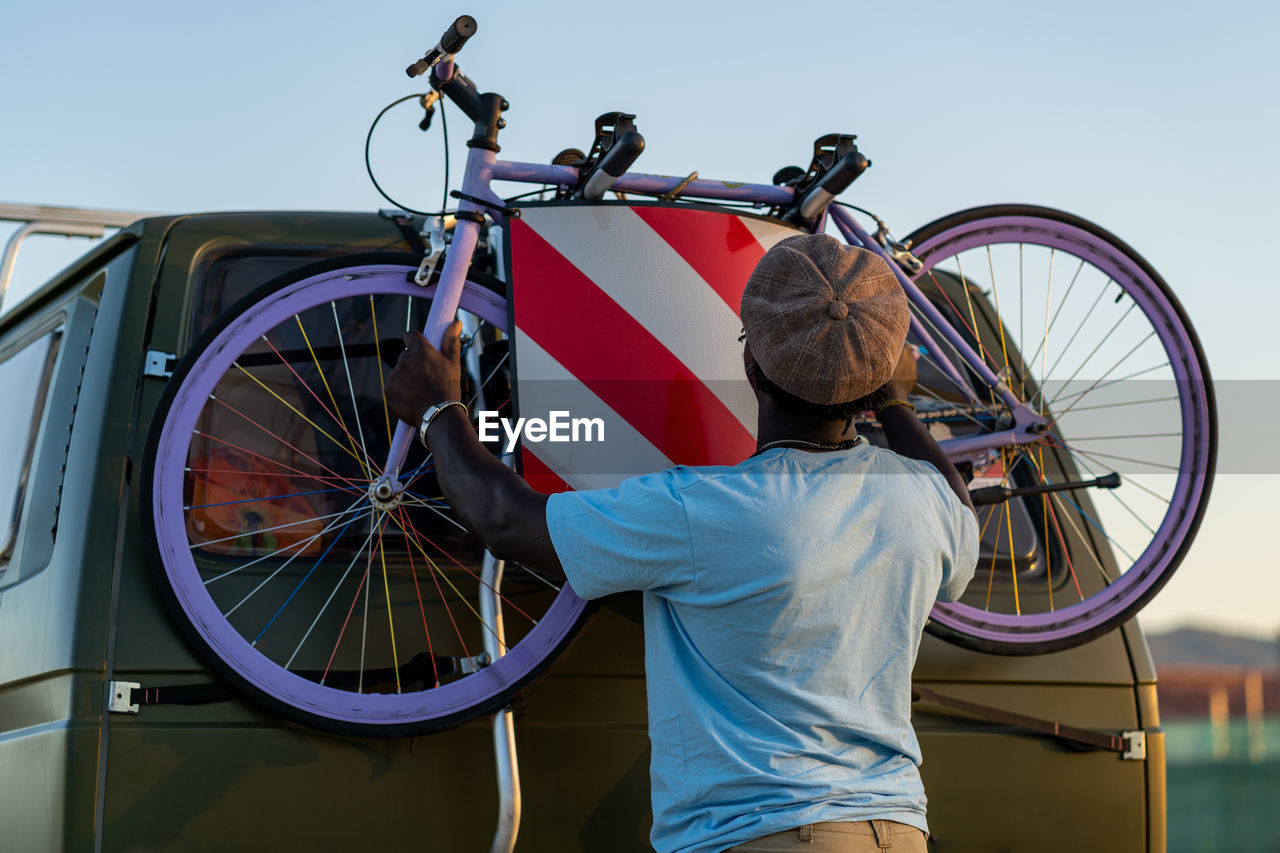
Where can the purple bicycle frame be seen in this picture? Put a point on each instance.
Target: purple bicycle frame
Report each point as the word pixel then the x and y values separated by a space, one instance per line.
pixel 483 168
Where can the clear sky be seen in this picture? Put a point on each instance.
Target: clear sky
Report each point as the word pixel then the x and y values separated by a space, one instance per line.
pixel 1157 121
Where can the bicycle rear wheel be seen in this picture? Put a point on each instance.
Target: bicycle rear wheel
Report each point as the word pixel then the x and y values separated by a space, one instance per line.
pixel 1086 333
pixel 343 612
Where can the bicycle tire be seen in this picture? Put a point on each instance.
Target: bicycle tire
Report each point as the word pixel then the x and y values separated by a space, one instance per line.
pixel 194 421
pixel 1126 578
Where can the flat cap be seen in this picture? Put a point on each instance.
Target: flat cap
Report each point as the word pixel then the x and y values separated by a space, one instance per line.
pixel 825 320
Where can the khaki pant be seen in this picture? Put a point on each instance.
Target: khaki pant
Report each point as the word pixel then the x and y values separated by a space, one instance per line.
pixel 871 836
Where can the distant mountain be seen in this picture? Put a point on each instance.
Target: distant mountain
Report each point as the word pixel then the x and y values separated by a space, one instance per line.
pixel 1194 646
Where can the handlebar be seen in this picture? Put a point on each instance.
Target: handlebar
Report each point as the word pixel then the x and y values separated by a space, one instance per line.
pixel 450 43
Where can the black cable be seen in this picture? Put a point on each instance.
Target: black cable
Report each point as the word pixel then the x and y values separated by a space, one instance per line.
pixel 859 209
pixel 368 166
pixel 444 127
pixel 540 191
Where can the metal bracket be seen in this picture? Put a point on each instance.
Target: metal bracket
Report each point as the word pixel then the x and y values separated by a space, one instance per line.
pixel 122 697
pixel 475 663
pixel 159 364
pixel 437 245
pixel 1135 743
pixel 899 251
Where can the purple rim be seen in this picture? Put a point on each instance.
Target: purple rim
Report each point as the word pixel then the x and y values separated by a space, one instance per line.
pixel 179 564
pixel 1157 558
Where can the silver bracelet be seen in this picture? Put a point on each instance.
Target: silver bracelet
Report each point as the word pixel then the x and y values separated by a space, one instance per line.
pixel 430 415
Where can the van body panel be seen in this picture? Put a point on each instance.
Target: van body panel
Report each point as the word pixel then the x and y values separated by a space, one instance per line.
pixel 79 608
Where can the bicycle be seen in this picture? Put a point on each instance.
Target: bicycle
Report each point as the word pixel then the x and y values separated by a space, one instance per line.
pixel 264 454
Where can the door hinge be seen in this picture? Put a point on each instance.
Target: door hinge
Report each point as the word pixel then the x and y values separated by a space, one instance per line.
pixel 122 697
pixel 1135 745
pixel 159 364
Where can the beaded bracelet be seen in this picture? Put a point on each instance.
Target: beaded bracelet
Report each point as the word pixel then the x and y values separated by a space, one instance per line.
pixel 894 402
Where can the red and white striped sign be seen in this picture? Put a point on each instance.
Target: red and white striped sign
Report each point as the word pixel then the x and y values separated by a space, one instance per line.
pixel 630 314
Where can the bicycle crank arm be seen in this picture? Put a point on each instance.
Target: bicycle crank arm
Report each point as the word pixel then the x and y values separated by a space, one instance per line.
pixel 997 494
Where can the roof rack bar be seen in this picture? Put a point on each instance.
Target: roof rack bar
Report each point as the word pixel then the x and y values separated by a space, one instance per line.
pixel 61 221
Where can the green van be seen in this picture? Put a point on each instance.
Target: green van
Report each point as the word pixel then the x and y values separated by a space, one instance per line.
pixel 116 736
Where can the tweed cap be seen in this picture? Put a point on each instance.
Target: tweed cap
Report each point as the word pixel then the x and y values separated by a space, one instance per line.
pixel 825 320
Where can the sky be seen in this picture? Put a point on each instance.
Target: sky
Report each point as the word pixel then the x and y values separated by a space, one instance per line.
pixel 1157 121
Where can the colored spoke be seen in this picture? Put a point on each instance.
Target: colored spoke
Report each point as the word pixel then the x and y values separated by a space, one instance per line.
pixel 306 456
pixel 356 556
pixel 427 503
pixel 327 480
pixel 436 574
pixel 295 410
pixel 335 417
pixel 386 587
pixel 308 520
pixel 337 411
pixel 1093 522
pixel 355 403
pixel 343 630
pixel 305 578
pixel 959 359
pixel 302 546
pixel 377 347
pixel 422 609
pixel 271 498
pixel 418 535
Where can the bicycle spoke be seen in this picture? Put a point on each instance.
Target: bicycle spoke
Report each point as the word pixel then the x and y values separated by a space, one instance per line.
pixel 1109 371
pixel 320 479
pixel 1048 300
pixel 422 609
pixel 391 625
pixel 427 503
pixel 959 359
pixel 1058 312
pixel 418 535
pixel 355 403
pixel 334 416
pixel 337 410
pixel 337 516
pixel 261 530
pixel 382 382
pixel 1095 349
pixel 289 663
pixel 263 500
pixel 1123 403
pixel 306 456
pixel 537 576
pixel 1079 328
pixel 1098 387
pixel 305 578
pixel 295 410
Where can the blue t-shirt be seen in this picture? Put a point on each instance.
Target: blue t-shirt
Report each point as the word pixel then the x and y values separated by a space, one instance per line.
pixel 784 600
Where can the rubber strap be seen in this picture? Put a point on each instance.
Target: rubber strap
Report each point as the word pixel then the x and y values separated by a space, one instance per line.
pixel 1088 738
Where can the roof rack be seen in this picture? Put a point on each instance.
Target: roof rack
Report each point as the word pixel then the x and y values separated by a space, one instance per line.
pixel 62 221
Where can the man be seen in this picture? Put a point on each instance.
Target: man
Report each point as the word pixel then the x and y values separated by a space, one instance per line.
pixel 785 596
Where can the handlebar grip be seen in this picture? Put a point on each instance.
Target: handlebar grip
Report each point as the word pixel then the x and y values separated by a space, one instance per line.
pixel 457 34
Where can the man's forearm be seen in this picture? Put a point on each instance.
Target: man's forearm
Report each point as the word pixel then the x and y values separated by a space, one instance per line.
pixel 493 501
pixel 907 436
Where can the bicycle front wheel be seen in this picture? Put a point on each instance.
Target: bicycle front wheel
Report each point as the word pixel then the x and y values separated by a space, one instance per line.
pixel 1088 335
pixel 318 597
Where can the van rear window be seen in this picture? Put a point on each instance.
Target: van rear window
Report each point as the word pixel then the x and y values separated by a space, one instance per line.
pixel 25 375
